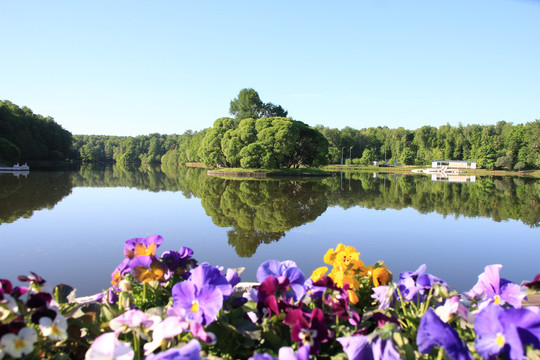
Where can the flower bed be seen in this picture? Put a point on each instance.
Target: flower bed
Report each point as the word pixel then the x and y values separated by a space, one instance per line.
pixel 173 308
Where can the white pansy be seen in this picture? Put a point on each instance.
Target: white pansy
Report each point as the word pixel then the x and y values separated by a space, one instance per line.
pixel 21 344
pixel 55 330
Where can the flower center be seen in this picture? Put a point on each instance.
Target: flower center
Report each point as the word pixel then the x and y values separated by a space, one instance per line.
pixel 19 344
pixel 500 340
pixel 194 306
pixel 497 300
pixel 308 336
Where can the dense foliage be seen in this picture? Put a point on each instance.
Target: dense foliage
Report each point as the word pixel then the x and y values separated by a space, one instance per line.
pixel 26 136
pixel 270 143
pixel 170 307
pixel 503 145
pixel 144 149
pixel 248 104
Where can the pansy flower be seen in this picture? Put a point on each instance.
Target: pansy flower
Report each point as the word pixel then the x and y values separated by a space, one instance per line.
pixel 287 269
pixel 21 344
pixel 200 303
pixel 54 329
pixel 312 332
pixel 413 285
pixel 492 288
pixel 269 293
pixel 142 246
pixel 165 329
pixel 208 275
pixel 120 270
pixel 147 268
pixel 107 346
pixel 190 351
pixel 363 347
pixel 432 332
pixel 285 353
pixel 177 261
pixel 507 332
pixel 133 319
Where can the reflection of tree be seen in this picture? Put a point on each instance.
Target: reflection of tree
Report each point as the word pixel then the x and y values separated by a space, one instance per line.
pixel 500 198
pixel 152 178
pixel 21 196
pixel 261 211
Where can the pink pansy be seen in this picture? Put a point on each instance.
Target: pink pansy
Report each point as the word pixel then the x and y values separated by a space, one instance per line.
pixel 107 346
pixel 166 329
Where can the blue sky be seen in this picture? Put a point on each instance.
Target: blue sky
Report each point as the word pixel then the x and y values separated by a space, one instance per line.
pixel 139 67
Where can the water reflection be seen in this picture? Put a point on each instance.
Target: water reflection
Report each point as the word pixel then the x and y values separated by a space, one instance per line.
pixel 20 196
pixel 261 211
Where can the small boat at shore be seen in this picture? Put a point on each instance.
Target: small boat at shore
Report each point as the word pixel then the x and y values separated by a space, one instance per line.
pixel 16 168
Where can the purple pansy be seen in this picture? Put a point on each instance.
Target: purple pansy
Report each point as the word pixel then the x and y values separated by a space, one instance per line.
pixel 232 277
pixel 287 269
pixel 432 332
pixel 285 353
pixel 268 293
pixel 208 275
pixel 413 285
pixel 507 332
pixel 199 303
pixel 312 332
pixel 168 328
pixel 131 319
pixel 107 346
pixel 120 270
pixel 190 351
pixel 142 246
pixel 361 347
pixel 146 268
pixel 177 259
pixel 492 288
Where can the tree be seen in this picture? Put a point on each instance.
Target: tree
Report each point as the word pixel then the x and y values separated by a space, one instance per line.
pixel 274 142
pixel 248 104
pixel 9 152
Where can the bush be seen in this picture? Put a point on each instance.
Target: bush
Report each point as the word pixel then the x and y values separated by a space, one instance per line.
pixel 520 166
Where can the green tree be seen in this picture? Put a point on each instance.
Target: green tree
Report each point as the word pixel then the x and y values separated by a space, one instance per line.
pixel 248 104
pixel 9 152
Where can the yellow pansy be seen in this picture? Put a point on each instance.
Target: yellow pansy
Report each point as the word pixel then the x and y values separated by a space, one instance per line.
pixel 318 273
pixel 381 276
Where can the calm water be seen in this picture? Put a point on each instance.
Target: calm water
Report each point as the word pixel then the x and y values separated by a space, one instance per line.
pixel 70 227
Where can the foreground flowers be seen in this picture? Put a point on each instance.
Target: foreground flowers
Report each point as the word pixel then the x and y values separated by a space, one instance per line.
pixel 169 307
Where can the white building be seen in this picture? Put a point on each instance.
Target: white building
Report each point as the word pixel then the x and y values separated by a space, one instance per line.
pixel 453 164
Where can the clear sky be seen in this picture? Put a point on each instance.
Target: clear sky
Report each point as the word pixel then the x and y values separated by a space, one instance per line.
pixel 139 67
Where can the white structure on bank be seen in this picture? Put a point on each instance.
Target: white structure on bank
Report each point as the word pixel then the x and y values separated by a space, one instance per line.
pixel 453 164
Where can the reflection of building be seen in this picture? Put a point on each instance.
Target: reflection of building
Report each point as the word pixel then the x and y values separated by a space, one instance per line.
pixel 453 164
pixel 443 177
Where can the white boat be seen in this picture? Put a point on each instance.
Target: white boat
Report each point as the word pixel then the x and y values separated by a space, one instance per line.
pixel 16 168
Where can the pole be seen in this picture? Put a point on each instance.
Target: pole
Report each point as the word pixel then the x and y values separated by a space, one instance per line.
pixel 350 156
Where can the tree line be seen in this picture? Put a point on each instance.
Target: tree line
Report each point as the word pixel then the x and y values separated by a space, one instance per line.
pixel 503 145
pixel 26 136
pixel 261 135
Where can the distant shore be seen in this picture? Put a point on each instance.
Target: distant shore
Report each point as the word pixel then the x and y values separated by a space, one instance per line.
pixel 326 170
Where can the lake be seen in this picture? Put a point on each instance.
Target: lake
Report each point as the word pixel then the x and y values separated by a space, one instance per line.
pixel 70 226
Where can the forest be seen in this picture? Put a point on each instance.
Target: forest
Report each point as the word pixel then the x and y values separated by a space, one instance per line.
pixel 26 136
pixel 261 135
pixel 500 146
